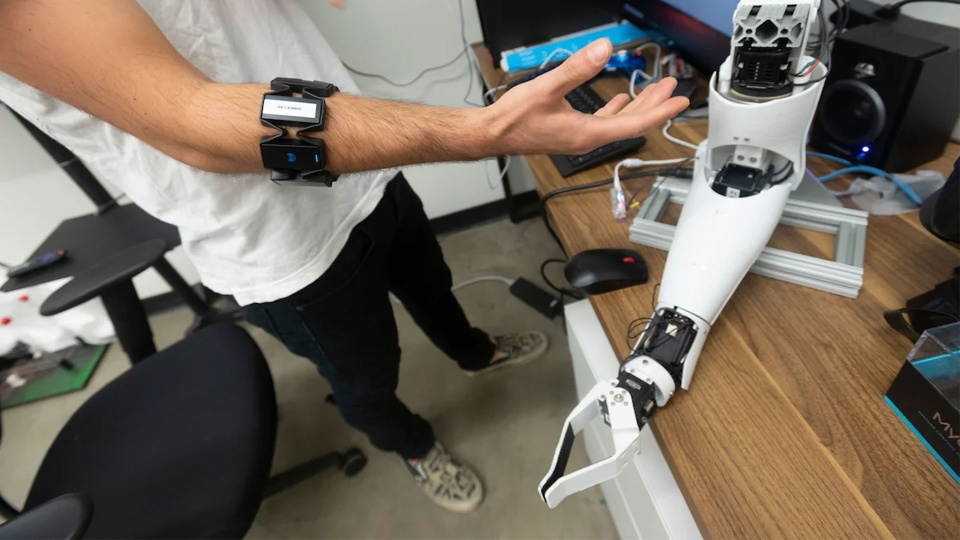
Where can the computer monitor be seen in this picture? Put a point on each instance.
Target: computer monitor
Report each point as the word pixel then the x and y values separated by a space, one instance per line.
pixel 699 29
pixel 509 24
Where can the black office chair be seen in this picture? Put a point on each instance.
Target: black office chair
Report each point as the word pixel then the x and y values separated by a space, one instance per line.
pixel 178 447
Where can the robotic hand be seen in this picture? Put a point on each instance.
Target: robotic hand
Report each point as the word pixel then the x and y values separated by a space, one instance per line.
pixel 762 101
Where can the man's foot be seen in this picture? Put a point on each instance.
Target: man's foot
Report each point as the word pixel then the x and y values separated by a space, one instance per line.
pixel 514 349
pixel 445 480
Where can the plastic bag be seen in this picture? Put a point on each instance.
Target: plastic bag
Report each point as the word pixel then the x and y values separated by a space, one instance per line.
pixel 20 315
pixel 880 196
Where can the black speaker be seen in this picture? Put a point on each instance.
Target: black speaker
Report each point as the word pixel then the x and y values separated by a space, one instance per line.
pixel 892 97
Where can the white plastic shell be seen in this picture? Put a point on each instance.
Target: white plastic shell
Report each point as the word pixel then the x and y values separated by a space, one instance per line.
pixel 719 238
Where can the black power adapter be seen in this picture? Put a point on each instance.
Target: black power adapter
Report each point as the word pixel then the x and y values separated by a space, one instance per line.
pixel 537 298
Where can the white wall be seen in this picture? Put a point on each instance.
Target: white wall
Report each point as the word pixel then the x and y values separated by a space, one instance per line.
pixel 398 39
pixel 36 195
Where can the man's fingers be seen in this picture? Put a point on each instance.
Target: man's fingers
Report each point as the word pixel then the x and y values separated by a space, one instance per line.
pixel 578 69
pixel 627 126
pixel 652 96
pixel 614 106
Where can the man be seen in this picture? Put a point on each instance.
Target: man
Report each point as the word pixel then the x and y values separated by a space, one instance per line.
pixel 162 98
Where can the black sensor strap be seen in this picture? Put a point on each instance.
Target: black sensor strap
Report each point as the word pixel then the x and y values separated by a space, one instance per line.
pixel 301 160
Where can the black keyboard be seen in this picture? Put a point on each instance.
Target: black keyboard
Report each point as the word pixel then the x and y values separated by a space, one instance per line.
pixel 585 100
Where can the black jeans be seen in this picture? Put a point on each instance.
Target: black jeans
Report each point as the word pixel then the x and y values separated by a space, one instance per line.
pixel 344 324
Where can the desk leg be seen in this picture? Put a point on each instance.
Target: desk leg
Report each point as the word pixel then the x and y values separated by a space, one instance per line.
pixel 129 321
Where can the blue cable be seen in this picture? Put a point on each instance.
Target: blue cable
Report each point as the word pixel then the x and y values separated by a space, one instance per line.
pixel 854 169
pixel 839 160
pixel 851 168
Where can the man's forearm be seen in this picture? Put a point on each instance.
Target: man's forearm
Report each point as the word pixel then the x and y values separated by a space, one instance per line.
pixel 364 133
pixel 222 133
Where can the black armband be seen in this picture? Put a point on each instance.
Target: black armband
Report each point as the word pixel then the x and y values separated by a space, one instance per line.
pixel 299 161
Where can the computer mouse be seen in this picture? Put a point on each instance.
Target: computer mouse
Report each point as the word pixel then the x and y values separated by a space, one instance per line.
pixel 603 270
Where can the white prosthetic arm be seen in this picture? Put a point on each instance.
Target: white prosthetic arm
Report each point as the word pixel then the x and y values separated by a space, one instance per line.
pixel 761 106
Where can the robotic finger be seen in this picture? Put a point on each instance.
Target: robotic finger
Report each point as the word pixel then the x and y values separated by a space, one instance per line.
pixel 626 405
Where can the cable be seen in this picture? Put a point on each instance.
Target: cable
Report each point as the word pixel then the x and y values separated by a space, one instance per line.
pixel 826 45
pixel 560 191
pixel 636 193
pixel 470 63
pixel 503 172
pixel 551 55
pixel 808 68
pixel 877 172
pixel 463 51
pixel 821 42
pixel 563 292
pixel 829 157
pixel 642 320
pixel 657 68
pixel 674 140
pixel 850 167
pixel 411 81
pixel 489 93
pixel 890 11
pixel 6 266
pixel 658 52
pixel 507 281
pixel 633 83
pixel 620 211
pixel 776 179
pixel 636 163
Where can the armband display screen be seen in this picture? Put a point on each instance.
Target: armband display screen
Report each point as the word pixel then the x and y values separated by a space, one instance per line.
pixel 286 109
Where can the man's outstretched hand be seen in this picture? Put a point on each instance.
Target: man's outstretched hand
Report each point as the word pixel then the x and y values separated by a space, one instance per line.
pixel 534 117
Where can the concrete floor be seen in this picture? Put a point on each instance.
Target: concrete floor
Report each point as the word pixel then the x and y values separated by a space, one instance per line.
pixel 505 424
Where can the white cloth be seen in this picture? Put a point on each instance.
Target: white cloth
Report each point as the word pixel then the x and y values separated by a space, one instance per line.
pixel 246 236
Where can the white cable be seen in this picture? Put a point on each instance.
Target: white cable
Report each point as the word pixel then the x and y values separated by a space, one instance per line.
pixel 509 282
pixel 674 140
pixel 634 163
pixel 551 55
pixel 505 280
pixel 633 83
pixel 657 73
pixel 648 78
pixel 506 165
pixel 618 203
pixel 492 91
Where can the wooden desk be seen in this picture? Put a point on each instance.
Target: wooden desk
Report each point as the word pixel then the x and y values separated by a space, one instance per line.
pixel 784 432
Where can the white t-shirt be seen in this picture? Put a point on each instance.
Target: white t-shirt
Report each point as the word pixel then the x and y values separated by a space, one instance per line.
pixel 247 236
